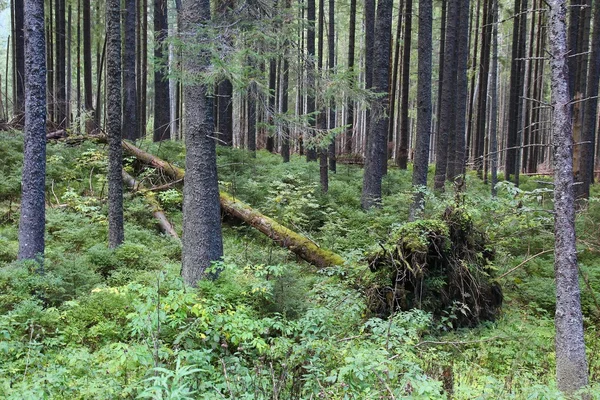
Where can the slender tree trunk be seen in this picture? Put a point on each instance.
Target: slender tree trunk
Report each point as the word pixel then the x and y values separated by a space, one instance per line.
pixel 395 81
pixel 369 60
pixel 348 148
pixel 78 114
pixel 424 109
pixel 321 115
pixel 251 139
pixel 130 122
pixel 87 62
pixel 571 364
pixel 19 51
pixel 162 128
pixel 311 151
pixel 331 151
pixel 591 109
pixel 456 161
pixel 447 116
pixel 69 74
pixel 494 99
pixel 32 219
pixel 475 34
pixel 483 88
pixel 143 89
pixel 202 238
pixel 402 153
pixel 285 141
pixel 59 65
pixel 377 144
pixel 443 20
pixel 113 127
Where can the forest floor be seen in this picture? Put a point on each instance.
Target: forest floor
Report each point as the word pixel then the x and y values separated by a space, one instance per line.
pixel 103 324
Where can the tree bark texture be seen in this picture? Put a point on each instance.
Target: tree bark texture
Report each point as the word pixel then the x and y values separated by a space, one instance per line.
pixel 130 121
pixel 162 129
pixel 32 221
pixel 311 151
pixel 113 123
pixel 348 144
pixel 202 237
pixel 19 63
pixel 402 153
pixel 571 365
pixel 447 109
pixel 377 144
pixel 424 110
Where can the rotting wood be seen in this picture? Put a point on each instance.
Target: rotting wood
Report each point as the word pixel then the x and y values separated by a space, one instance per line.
pixel 297 243
pixel 153 202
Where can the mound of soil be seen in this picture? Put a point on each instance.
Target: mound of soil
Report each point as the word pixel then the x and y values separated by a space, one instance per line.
pixel 443 266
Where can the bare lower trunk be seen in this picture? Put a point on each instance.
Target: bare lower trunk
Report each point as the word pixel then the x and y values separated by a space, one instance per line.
pixel 571 365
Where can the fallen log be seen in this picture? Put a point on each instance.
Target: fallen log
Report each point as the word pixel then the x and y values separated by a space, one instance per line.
pixel 153 202
pixel 284 237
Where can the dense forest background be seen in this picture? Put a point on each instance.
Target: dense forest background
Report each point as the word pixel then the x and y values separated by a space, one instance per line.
pixel 279 200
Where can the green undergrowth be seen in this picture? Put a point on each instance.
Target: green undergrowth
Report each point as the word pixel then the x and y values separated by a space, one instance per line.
pixel 103 324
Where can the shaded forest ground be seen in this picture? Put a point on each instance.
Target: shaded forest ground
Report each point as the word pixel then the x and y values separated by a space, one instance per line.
pixel 109 324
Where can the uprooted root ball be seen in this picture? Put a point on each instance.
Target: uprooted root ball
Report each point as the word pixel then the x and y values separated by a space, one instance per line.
pixel 439 265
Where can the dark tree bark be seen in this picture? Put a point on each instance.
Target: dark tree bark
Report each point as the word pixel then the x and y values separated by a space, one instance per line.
pixel 571 364
pixel 285 140
pixel 331 151
pixel 377 144
pixel 311 151
pixel 143 88
pixel 59 64
pixel 321 115
pixel 447 118
pixel 87 58
pixel 456 160
pixel 130 121
pixel 113 125
pixel 270 142
pixel 69 74
pixel 483 88
pixel 424 111
pixel 402 153
pixel 202 238
pixel 33 184
pixel 225 109
pixel 251 139
pixel 19 63
pixel 494 99
pixel 573 41
pixel 350 102
pixel 369 61
pixel 591 109
pixel 162 129
pixel 471 104
pixel 511 166
pixel 395 80
pixel 436 133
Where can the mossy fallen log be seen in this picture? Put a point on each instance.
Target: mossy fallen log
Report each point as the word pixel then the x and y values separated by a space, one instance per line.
pixel 443 266
pixel 153 202
pixel 284 237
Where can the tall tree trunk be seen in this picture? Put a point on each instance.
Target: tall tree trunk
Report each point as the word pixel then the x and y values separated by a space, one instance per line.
pixel 251 104
pixel 69 74
pixel 162 128
pixel 32 220
pixel 395 81
pixel 369 61
pixel 424 111
pixel 87 64
pixel 571 364
pixel 591 109
pixel 493 85
pixel 285 140
pixel 402 153
pixel 225 113
pixel 19 54
pixel 321 115
pixel 113 126
pixel 471 104
pixel 270 142
pixel 311 151
pixel 59 64
pixel 202 238
pixel 443 20
pixel 350 102
pixel 377 144
pixel 456 161
pixel 331 151
pixel 447 117
pixel 483 88
pixel 130 121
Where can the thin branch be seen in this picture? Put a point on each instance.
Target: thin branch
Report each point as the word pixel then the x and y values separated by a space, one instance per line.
pixel 525 262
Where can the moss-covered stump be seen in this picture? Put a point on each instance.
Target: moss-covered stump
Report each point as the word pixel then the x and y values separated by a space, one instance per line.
pixel 443 266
